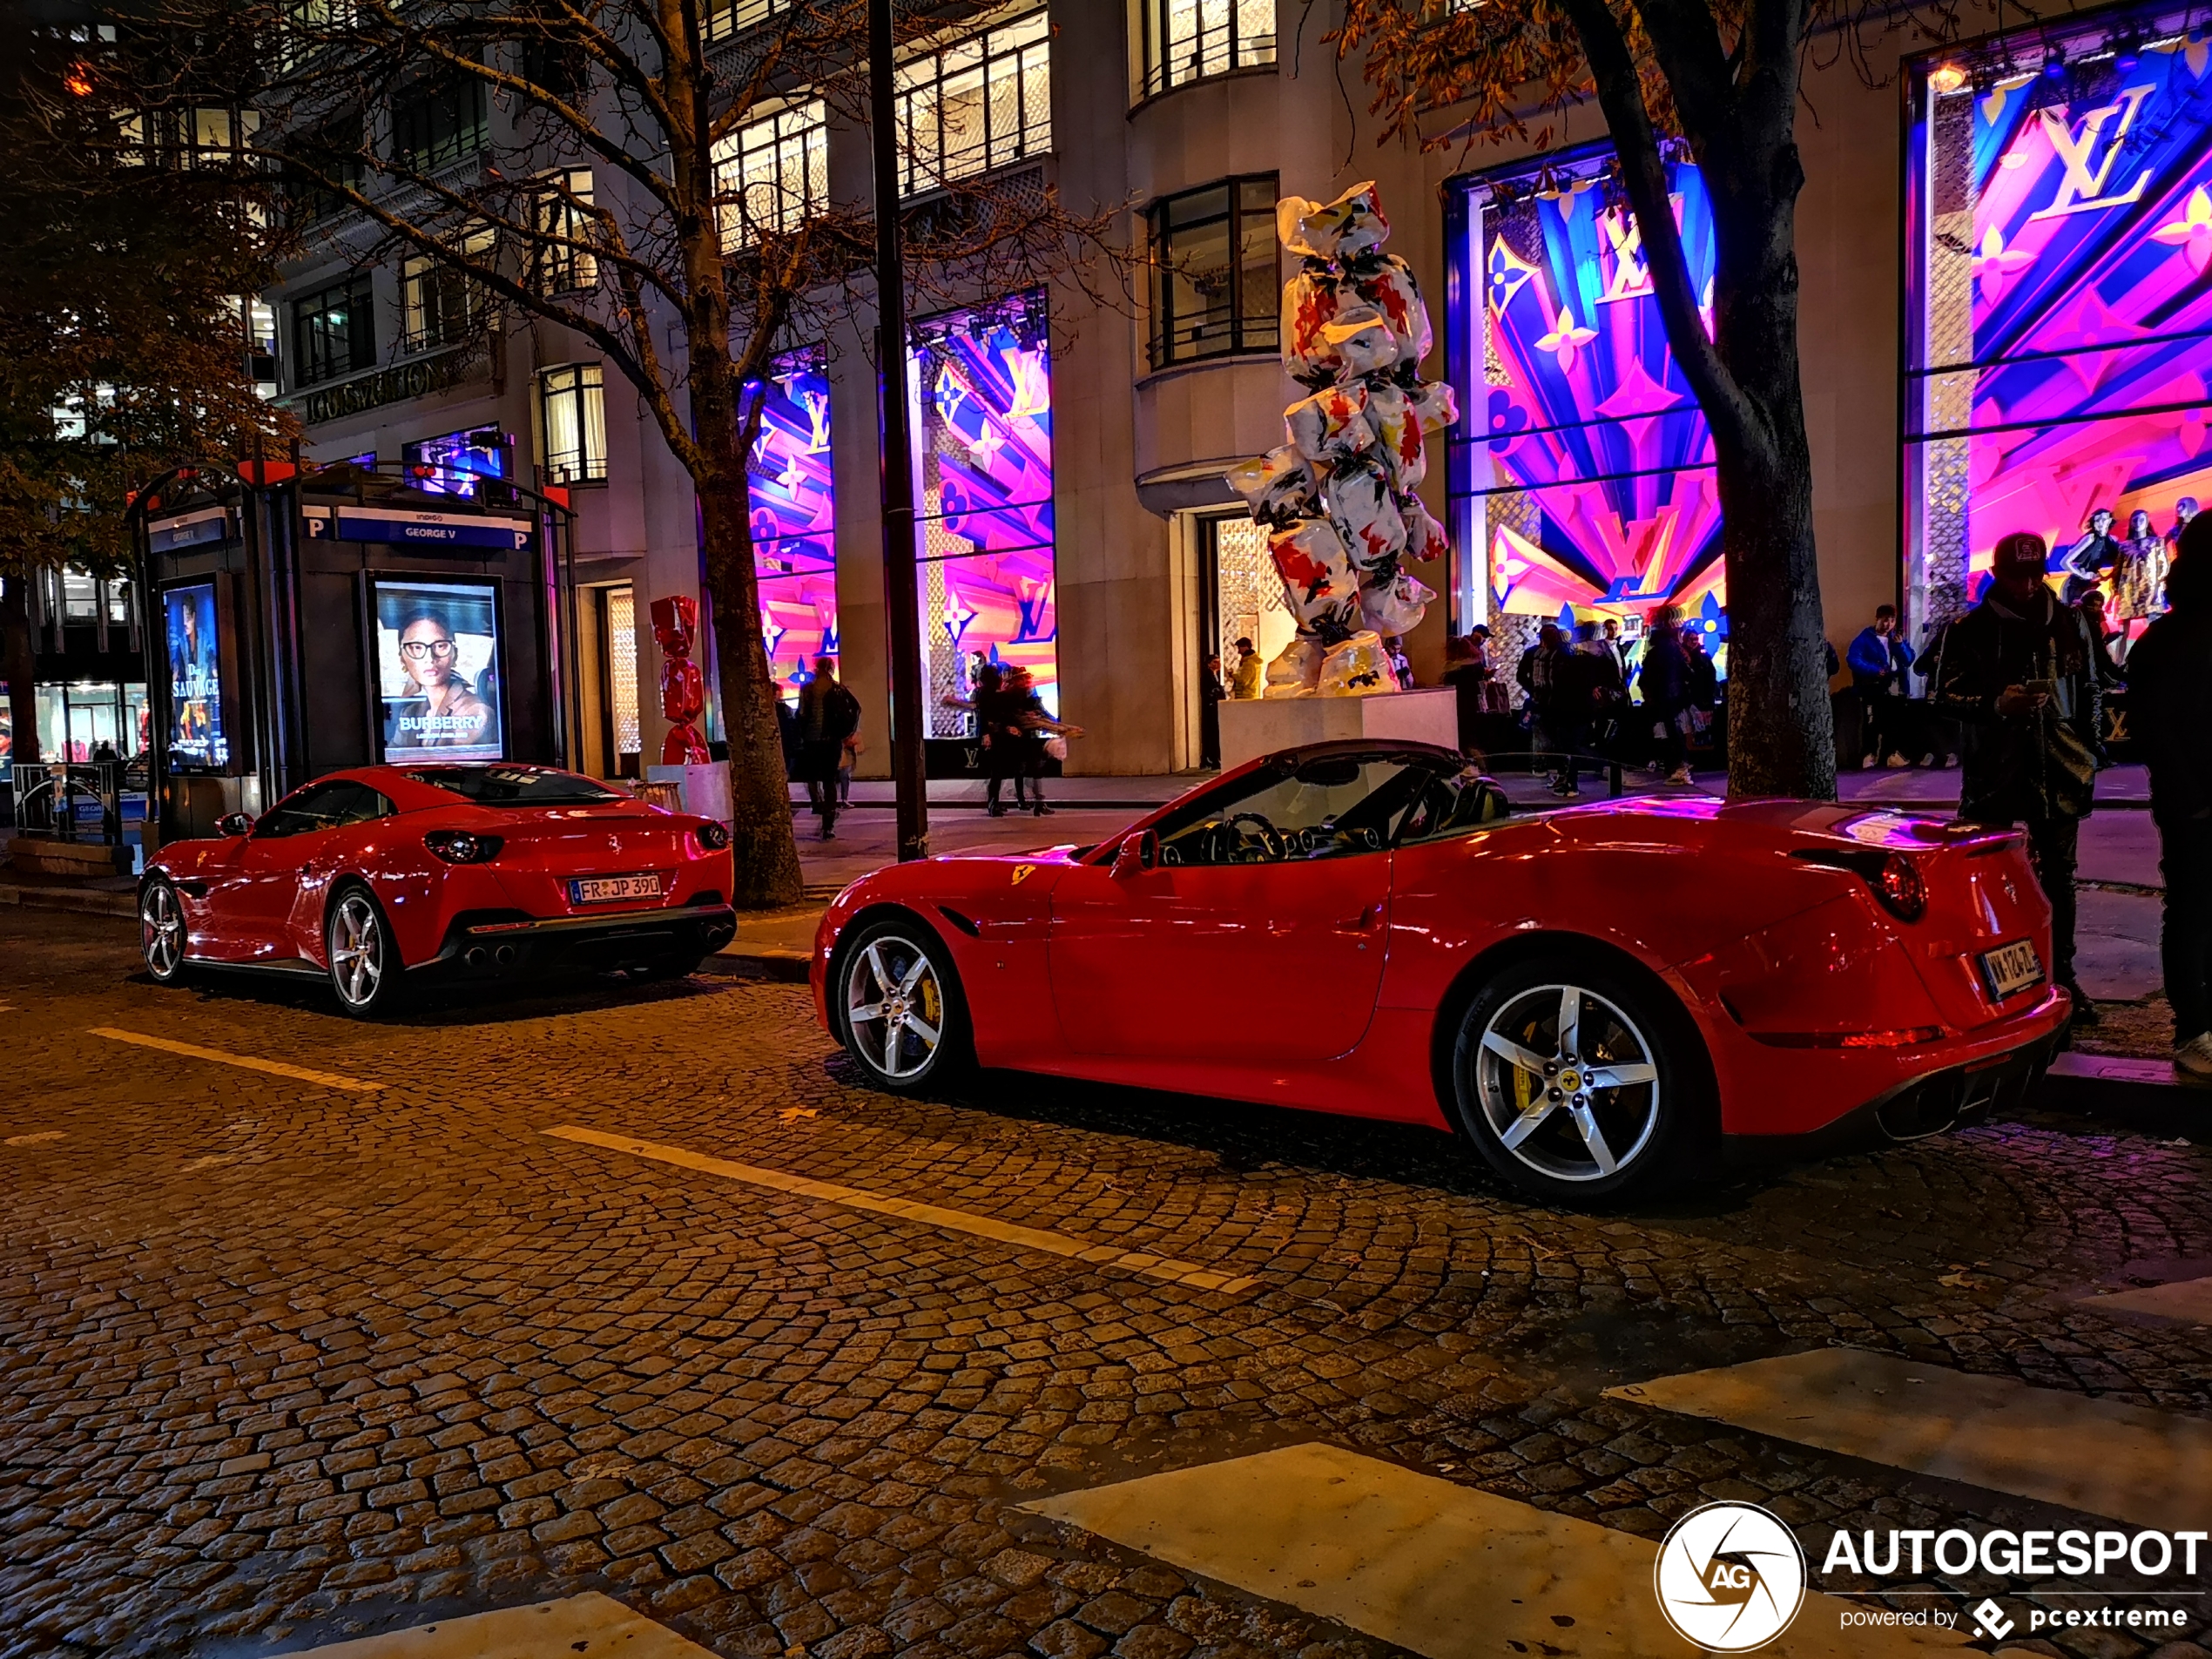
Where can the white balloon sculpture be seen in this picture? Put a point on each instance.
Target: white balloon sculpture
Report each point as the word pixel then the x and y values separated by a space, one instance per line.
pixel 1338 499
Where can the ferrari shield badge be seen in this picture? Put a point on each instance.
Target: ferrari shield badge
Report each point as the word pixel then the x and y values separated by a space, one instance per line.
pixel 1022 873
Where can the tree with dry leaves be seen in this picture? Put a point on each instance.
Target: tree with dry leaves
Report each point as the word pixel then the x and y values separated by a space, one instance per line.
pixel 688 269
pixel 1723 76
pixel 137 228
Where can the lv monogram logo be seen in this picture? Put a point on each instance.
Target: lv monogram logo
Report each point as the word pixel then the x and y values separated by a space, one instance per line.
pixel 2081 189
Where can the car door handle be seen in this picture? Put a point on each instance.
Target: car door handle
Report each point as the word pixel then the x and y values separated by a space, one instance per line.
pixel 1362 922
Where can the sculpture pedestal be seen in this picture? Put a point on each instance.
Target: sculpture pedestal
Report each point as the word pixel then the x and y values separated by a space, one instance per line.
pixel 1263 725
pixel 706 789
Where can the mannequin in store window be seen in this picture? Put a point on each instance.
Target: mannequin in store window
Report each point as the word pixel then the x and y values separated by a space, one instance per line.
pixel 2098 550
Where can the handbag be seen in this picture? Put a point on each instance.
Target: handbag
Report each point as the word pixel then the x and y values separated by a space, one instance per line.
pixel 1057 747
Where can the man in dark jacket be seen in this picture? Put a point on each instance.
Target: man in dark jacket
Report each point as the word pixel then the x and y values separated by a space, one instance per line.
pixel 2170 711
pixel 1539 673
pixel 1663 680
pixel 828 714
pixel 2020 675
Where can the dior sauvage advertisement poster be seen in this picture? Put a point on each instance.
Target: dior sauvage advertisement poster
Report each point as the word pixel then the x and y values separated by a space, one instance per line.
pixel 196 737
pixel 438 670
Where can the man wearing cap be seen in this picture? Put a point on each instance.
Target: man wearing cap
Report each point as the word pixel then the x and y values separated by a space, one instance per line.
pixel 2020 675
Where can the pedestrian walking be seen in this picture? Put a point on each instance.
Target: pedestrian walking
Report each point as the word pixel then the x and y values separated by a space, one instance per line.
pixel 1880 660
pixel 1037 737
pixel 2020 675
pixel 1664 679
pixel 1538 674
pixel 1473 684
pixel 829 713
pixel 1211 693
pixel 2169 705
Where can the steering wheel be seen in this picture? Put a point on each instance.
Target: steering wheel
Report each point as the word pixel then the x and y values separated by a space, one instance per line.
pixel 1270 839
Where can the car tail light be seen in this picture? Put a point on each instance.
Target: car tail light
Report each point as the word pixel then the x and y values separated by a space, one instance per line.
pixel 713 836
pixel 463 847
pixel 1896 879
pixel 1899 887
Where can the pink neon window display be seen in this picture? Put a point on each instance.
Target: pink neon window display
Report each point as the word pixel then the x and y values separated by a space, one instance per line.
pixel 983 381
pixel 795 522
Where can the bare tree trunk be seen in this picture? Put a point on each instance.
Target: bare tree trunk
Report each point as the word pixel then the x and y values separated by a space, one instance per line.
pixel 768 854
pixel 1780 739
pixel 19 663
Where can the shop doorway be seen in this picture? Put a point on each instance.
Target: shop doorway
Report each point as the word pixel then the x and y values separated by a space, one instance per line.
pixel 1240 598
pixel 612 736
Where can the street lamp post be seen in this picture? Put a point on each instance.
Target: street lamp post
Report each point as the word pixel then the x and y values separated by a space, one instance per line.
pixel 901 598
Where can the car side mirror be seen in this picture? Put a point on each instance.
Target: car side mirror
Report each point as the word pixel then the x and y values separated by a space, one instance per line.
pixel 234 823
pixel 1137 854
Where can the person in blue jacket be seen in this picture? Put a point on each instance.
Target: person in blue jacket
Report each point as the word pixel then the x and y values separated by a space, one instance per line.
pixel 1880 660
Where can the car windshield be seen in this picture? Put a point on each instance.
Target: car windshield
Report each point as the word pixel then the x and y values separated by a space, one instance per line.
pixel 516 786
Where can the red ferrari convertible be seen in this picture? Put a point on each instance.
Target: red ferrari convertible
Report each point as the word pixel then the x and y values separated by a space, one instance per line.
pixel 1587 995
pixel 382 876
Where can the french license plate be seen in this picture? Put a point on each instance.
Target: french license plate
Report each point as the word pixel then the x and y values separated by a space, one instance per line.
pixel 2011 968
pixel 602 889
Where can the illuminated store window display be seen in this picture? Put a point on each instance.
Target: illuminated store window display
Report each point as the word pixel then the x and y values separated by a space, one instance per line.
pixel 1582 472
pixel 794 540
pixel 2058 310
pixel 983 380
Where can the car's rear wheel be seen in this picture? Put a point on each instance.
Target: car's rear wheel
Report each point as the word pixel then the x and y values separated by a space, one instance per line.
pixel 900 1012
pixel 1573 1079
pixel 365 966
pixel 161 931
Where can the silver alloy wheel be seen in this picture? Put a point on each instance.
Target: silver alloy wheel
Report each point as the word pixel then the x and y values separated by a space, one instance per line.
pixel 161 930
pixel 894 1006
pixel 1567 1083
pixel 356 949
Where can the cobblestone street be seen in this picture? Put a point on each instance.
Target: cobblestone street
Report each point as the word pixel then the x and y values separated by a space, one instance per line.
pixel 290 1355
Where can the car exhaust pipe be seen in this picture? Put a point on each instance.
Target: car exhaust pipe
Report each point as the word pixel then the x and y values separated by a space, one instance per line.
pixel 478 958
pixel 504 957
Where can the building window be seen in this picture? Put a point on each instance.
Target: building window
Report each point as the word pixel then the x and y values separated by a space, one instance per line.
pixel 984 377
pixel 329 163
pixel 1214 271
pixel 563 218
pixel 794 518
pixel 572 410
pixel 333 332
pixel 1189 40
pixel 726 19
pixel 979 104
pixel 443 304
pixel 771 173
pixel 2059 229
pixel 439 125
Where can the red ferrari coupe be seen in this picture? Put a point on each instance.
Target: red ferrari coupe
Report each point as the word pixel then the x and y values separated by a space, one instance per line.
pixel 381 876
pixel 1585 993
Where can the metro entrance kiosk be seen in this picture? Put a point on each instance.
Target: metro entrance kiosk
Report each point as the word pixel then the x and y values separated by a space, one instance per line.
pixel 341 616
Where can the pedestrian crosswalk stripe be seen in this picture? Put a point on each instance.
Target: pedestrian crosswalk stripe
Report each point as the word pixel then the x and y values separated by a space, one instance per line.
pixel 2188 1300
pixel 1442 1569
pixel 929 1214
pixel 590 1623
pixel 2100 1457
pixel 274 1067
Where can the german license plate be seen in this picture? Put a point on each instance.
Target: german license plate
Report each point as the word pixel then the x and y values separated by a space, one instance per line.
pixel 2011 968
pixel 603 889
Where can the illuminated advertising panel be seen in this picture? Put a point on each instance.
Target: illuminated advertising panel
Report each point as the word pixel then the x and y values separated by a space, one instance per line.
pixel 439 674
pixel 983 379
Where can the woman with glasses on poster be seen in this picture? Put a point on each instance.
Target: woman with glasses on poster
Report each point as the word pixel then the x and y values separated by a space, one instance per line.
pixel 451 716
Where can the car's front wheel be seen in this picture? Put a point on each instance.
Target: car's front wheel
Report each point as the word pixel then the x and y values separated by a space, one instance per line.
pixel 365 966
pixel 898 1007
pixel 1574 1080
pixel 161 931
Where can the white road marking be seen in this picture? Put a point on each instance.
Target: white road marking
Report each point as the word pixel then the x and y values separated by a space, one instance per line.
pixel 2188 1300
pixel 2126 1462
pixel 1444 1569
pixel 274 1067
pixel 593 1624
pixel 929 1214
